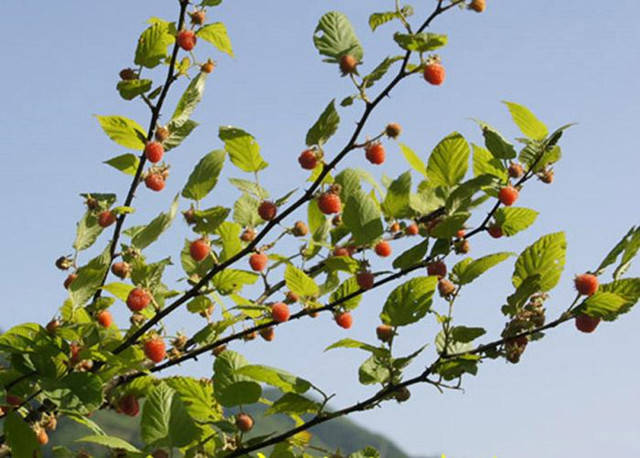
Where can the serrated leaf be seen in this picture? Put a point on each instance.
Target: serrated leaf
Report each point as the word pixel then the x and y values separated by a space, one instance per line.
pixel 178 131
pixel 420 42
pixel 545 257
pixel 466 271
pixel 89 278
pixel 529 125
pixel 20 437
pixel 377 19
pixel 351 343
pixel 363 219
pixel 413 159
pixel 243 149
pixel 250 187
pixel 231 281
pixel 450 225
pixel 130 89
pixel 299 282
pixel 485 163
pixel 604 304
pixel 411 256
pixel 499 147
pixel 324 127
pixel 245 211
pixel 189 100
pixel 229 387
pixel 396 202
pixel 155 228
pixel 216 34
pixel 156 414
pixel 152 45
pixel 124 131
pixel 373 370
pixel 126 163
pixel 114 443
pixel 207 221
pixel 378 72
pixel 626 288
pixel 449 161
pixel 334 37
pixel 119 290
pixel 514 219
pixel 292 403
pixel 87 231
pixel 278 378
pixel 409 302
pixel 464 334
pixel 346 288
pixel 204 176
pixel 615 252
pixel 196 395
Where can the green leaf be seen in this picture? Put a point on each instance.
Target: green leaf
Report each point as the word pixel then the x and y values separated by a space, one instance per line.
pixel 204 176
pixel 250 187
pixel 378 72
pixel 351 343
pixel 299 282
pixel 615 252
pixel 420 42
pixel 119 290
pixel 189 100
pixel 89 278
pixel 178 131
pixel 292 403
pixel 545 257
pixel 20 437
pixel 413 159
pixel 368 452
pixel 242 148
pixel 229 387
pixel 334 37
pixel 153 43
pixel 131 89
pixel 529 125
pixel 126 163
pixel 245 211
pixel 464 334
pixel 449 161
pixel 409 302
pixel 230 237
pixel 469 271
pixel 196 395
pixel 377 19
pixel 396 202
pixel 363 219
pixel 604 304
pixel 124 131
pixel 485 163
pixel 411 256
pixel 20 338
pixel 156 414
pixel 216 34
pixel 450 225
pixel 630 251
pixel 155 228
pixel 496 143
pixel 341 263
pixel 278 378
pixel 231 281
pixel 514 219
pixel 87 231
pixel 348 287
pixel 207 221
pixel 454 368
pixel 373 370
pixel 111 442
pixel 626 288
pixel 324 127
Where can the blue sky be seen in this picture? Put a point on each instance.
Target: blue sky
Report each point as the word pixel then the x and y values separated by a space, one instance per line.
pixel 572 394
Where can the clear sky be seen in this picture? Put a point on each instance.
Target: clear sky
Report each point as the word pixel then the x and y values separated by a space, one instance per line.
pixel 570 61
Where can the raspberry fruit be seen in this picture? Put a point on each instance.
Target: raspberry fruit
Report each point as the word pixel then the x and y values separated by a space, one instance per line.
pixel 341 251
pixel 128 74
pixel 189 216
pixel 515 170
pixel 495 231
pixel 445 287
pixel 244 422
pixel 161 134
pixel 154 151
pixel 106 218
pixel 154 181
pixel 412 229
pixel 547 176
pixel 41 436
pixel 186 39
pixel 292 297
pixel 69 280
pixel 329 203
pixel 383 249
pixel 129 405
pixel 199 249
pixel 198 17
pixel 52 326
pixel 267 210
pixel 586 284
pixel 344 320
pixel 300 229
pixel 384 332
pixel 258 261
pixel 121 269
pixel 434 73
pixel 64 263
pixel 478 5
pixel 375 153
pixel 508 195
pixel 395 227
pixel 365 280
pixel 104 318
pixel 437 268
pixel 348 64
pixel 268 334
pixel 155 350
pixel 586 323
pixel 250 336
pixel 393 130
pixel 138 299
pixel 461 233
pixel 308 160
pixel 248 235
pixel 462 247
pixel 280 312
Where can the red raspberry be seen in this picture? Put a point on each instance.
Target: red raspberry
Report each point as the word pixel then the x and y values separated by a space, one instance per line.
pixel 348 64
pixel 329 203
pixel 586 284
pixel 462 246
pixel 412 229
pixel 186 39
pixel 138 299
pixel 208 66
pixel 434 73
pixel 586 323
pixel 384 332
pixel 41 436
pixel 292 297
pixel 155 350
pixel 244 422
pixel 461 233
pixel 365 280
pixel 308 160
pixel 155 182
pixel 478 5
pixel 198 17
pixel 383 249
pixel 199 249
pixel 154 151
pixel 69 280
pixel 162 133
pixel 300 229
pixel 268 334
pixel 248 235
pixel 508 195
pixel 437 268
pixel 74 351
pixel 280 312
pixel 129 405
pixel 258 261
pixel 495 231
pixel 445 287
pixel 106 218
pixel 515 170
pixel 267 210
pixel 52 326
pixel 341 251
pixel 121 269
pixel 344 320
pixel 395 227
pixel 393 130
pixel 375 153
pixel 104 318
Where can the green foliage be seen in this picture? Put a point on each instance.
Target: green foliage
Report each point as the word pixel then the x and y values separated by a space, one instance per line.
pixel 409 302
pixel 420 42
pixel 334 37
pixel 243 150
pixel 324 127
pixel 204 176
pixel 125 132
pixel 449 161
pixel 216 34
pixel 153 43
pixel 546 257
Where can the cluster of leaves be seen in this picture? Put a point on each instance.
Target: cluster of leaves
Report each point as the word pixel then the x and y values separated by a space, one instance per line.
pixel 79 363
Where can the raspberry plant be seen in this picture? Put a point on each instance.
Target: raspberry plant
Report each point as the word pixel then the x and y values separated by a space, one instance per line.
pixel 350 240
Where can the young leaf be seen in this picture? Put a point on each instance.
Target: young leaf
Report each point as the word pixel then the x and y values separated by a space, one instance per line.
pixel 514 219
pixel 420 42
pixel 299 282
pixel 126 163
pixel 377 19
pixel 155 228
pixel 396 202
pixel 324 127
pixel 216 34
pixel 131 89
pixel 414 160
pixel 529 125
pixel 449 161
pixel 409 302
pixel 178 131
pixel 153 43
pixel 204 176
pixel 87 231
pixel 189 100
pixel 334 37
pixel 125 132
pixel 546 257
pixel 242 148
